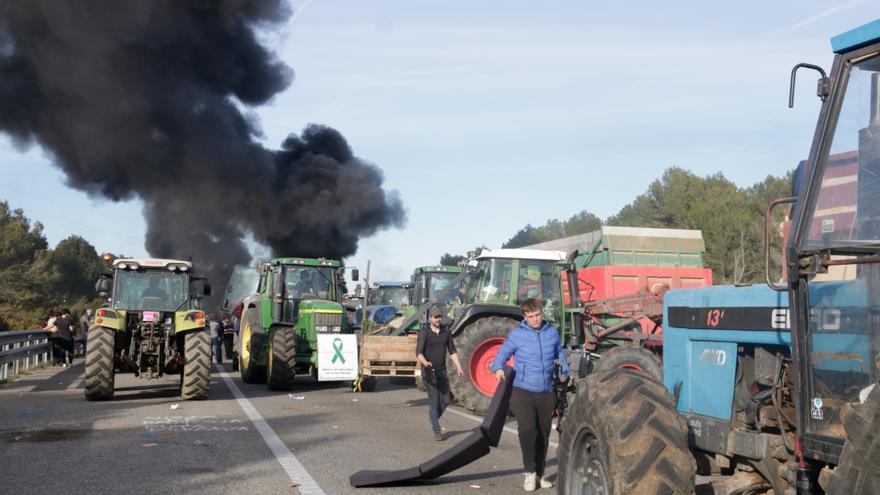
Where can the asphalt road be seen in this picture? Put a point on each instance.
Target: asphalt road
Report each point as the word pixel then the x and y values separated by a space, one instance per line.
pixel 243 439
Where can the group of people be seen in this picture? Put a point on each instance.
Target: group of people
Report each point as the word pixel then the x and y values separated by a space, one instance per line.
pixel 223 331
pixel 65 332
pixel 536 347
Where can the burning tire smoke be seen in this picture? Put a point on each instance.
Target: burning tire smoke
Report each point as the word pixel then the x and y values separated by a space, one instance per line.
pixel 144 99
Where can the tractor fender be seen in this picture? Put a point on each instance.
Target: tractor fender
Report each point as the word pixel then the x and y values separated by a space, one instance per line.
pixel 475 311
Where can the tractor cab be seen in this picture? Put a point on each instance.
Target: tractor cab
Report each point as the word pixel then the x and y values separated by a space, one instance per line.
pixel 508 277
pixel 834 267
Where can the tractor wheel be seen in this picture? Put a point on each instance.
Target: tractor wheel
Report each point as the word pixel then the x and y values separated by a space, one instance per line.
pixel 100 374
pixel 858 472
pixel 250 371
pixel 633 358
pixel 196 365
pixel 282 358
pixel 477 346
pixel 364 384
pixel 623 435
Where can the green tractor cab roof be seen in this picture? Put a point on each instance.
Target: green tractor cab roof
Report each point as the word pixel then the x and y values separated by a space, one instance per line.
pixel 523 254
pixel 438 268
pixel 307 262
pixel 856 38
pixel 153 263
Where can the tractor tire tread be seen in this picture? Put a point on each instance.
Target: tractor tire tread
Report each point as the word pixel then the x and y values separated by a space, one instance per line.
pixel 645 456
pixel 858 472
pixel 477 332
pixel 100 368
pixel 196 366
pixel 282 347
pixel 632 355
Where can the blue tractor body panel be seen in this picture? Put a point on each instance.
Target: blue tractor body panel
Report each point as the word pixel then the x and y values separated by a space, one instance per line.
pixel 705 327
pixel 856 38
pixel 702 335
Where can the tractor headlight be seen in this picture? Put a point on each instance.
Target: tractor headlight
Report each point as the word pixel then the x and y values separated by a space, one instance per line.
pixel 122 266
pixel 337 329
pixel 321 328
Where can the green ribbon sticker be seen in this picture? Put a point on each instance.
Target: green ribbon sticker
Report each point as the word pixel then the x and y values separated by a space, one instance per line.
pixel 337 351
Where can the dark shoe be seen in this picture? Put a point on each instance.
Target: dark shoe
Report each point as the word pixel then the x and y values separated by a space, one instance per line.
pixel 438 435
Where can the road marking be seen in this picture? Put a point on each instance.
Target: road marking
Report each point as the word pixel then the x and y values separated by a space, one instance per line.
pixel 295 470
pixel 508 429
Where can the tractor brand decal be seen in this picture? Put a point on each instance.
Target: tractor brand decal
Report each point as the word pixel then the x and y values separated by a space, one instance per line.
pixel 816 409
pixel 767 319
pixel 725 318
pixel 714 356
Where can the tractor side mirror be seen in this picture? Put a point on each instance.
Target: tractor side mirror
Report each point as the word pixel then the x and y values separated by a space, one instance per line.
pixel 355 274
pixel 206 289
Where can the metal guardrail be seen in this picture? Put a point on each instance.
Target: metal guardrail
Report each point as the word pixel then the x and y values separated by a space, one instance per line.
pixel 21 350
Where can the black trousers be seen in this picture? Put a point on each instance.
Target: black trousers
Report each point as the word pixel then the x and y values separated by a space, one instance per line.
pixel 534 416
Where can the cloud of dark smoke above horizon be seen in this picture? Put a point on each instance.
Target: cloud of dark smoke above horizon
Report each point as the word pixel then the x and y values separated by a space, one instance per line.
pixel 144 99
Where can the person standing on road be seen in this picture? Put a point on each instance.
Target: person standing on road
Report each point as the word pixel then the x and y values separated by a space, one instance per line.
pixel 84 328
pixel 535 346
pixel 216 338
pixel 228 334
pixel 432 346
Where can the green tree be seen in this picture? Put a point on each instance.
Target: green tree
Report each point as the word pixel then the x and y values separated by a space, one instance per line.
pixel 451 259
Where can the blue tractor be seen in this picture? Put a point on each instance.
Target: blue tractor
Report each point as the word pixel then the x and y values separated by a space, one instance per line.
pixel 770 388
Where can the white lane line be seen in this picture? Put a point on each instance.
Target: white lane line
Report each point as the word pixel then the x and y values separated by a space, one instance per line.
pixel 508 429
pixel 295 470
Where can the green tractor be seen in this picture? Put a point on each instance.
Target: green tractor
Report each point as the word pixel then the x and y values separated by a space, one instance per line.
pixel 152 326
pixel 284 307
pixel 499 281
pixel 429 281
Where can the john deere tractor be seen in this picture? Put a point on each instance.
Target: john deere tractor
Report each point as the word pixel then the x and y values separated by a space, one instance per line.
pixel 284 306
pixel 152 326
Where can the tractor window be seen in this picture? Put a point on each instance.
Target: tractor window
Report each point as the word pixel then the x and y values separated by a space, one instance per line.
pixel 491 282
pixel 389 296
pixel 440 281
pixel 537 281
pixel 304 282
pixel 150 290
pixel 847 209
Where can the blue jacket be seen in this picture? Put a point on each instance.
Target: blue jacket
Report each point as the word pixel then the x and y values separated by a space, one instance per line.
pixel 533 353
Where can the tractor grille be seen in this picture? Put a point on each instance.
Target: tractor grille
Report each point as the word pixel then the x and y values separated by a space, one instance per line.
pixel 328 319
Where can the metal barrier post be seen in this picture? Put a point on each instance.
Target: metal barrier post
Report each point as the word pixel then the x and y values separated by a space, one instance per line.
pixel 4 371
pixel 17 345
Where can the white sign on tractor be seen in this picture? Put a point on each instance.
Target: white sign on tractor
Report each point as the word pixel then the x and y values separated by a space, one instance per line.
pixel 337 357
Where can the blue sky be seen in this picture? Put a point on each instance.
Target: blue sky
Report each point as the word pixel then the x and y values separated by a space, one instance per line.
pixel 488 115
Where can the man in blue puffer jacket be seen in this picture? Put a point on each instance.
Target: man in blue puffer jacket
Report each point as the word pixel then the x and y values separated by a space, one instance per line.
pixel 535 346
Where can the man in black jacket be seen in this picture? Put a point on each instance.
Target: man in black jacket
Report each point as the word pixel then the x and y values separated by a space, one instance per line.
pixel 434 342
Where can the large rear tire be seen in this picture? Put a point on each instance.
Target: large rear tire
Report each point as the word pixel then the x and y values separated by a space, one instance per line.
pixel 477 346
pixel 282 358
pixel 100 374
pixel 196 365
pixel 858 472
pixel 251 372
pixel 621 436
pixel 631 357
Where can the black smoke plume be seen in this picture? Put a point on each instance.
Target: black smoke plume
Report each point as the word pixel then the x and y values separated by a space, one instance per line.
pixel 148 99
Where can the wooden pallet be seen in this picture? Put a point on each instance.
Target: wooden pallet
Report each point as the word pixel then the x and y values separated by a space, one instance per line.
pixel 382 355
